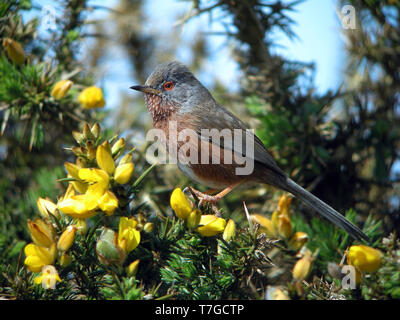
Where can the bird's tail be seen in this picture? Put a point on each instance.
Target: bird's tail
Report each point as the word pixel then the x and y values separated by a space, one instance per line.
pixel 322 208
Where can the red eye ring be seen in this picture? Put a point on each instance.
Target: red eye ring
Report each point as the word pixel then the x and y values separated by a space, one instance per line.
pixel 169 85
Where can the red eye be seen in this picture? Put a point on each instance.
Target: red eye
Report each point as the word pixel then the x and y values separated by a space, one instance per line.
pixel 169 85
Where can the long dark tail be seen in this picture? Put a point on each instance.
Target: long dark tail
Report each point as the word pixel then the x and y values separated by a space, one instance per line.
pixel 322 208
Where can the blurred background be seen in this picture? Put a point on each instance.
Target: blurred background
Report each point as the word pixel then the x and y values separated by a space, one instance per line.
pixel 318 83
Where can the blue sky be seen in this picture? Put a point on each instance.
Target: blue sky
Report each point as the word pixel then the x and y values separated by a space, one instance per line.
pixel 317 27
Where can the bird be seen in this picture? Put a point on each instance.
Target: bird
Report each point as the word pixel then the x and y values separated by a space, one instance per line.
pixel 173 95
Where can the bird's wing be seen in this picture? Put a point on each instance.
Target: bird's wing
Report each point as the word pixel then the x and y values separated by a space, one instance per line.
pixel 219 118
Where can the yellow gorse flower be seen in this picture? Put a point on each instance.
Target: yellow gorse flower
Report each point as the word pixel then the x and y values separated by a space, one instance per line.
pixel 48 278
pixel 229 231
pixel 37 257
pixel 47 207
pixel 211 225
pixel 61 88
pixel 128 235
pixel 14 50
pixel 123 173
pixel 94 183
pixel 133 267
pixel 364 258
pixel 302 267
pixel 266 225
pixel 42 233
pixel 180 204
pixel 67 238
pixel 284 227
pixel 284 204
pixel 298 240
pixel 91 97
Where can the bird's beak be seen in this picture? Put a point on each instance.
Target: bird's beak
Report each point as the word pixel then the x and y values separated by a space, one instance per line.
pixel 146 89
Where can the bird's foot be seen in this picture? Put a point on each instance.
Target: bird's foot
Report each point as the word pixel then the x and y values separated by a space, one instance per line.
pixel 205 198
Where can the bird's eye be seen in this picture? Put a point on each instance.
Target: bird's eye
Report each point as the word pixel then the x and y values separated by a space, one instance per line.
pixel 169 85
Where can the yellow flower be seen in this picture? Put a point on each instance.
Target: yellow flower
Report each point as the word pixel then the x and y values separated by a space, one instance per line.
pixel 284 226
pixel 123 173
pixel 67 238
pixel 303 267
pixel 42 233
pixel 193 220
pixel 118 146
pixel 77 206
pixel 37 257
pixel 364 258
pixel 180 204
pixel 229 231
pixel 14 50
pixel 211 225
pixel 46 207
pixel 61 88
pixel 148 227
pixel 298 240
pixel 104 159
pixel 283 205
pixel 108 202
pixel 266 225
pixel 91 97
pixel 48 278
pixel 132 269
pixel 73 171
pixel 128 235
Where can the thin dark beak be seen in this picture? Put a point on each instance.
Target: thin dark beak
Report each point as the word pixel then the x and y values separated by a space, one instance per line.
pixel 146 89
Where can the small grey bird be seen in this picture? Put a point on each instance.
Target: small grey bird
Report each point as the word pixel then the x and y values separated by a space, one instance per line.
pixel 173 94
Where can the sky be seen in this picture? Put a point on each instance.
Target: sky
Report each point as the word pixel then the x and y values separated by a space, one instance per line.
pixel 317 27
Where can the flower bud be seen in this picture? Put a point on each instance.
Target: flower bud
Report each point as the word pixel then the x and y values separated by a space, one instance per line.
pixel 133 267
pixel 107 248
pixel 123 173
pixel 302 267
pixel 61 88
pixel 211 225
pixel 118 146
pixel 42 233
pixel 95 129
pixel 266 225
pixel 47 207
pixel 14 50
pixel 105 160
pixel 284 227
pixel 91 97
pixel 81 226
pixel 148 227
pixel 283 205
pixel 67 238
pixel 193 219
pixel 78 136
pixel 229 231
pixel 126 158
pixel 180 204
pixel 298 240
pixel 364 258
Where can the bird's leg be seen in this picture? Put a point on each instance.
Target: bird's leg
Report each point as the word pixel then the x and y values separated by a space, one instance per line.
pixel 204 197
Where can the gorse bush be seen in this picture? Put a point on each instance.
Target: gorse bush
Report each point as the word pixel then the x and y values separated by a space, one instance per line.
pixel 84 216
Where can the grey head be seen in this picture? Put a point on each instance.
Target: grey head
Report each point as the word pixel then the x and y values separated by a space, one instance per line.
pixel 172 86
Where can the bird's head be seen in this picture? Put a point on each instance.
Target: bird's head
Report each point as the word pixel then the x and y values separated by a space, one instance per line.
pixel 172 88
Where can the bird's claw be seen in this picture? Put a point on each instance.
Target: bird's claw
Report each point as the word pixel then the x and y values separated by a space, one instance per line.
pixel 202 197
